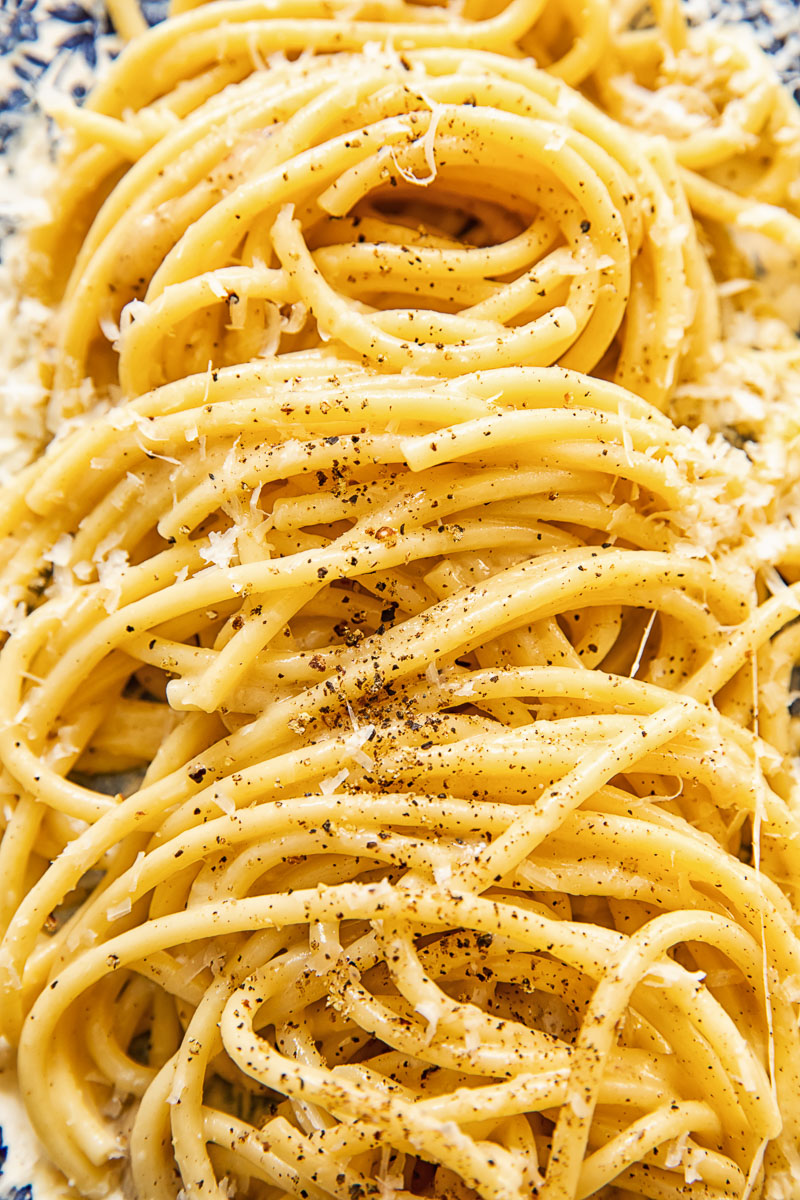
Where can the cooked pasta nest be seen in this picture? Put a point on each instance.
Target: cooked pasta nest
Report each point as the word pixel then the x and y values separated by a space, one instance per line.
pixel 443 676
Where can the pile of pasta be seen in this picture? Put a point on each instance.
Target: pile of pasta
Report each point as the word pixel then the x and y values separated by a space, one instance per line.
pixel 396 710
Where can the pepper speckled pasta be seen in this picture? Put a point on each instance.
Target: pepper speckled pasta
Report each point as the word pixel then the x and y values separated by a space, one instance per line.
pixel 396 728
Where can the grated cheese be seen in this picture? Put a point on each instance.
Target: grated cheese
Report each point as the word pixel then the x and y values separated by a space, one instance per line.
pixel 221 549
pixel 110 575
pixel 330 784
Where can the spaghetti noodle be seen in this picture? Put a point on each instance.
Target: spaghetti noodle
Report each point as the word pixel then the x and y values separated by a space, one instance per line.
pixel 443 673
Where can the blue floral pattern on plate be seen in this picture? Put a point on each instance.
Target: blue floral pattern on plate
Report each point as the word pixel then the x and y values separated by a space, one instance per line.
pixel 15 1193
pixel 60 41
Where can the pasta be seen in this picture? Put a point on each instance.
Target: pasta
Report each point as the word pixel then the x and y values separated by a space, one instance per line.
pixel 383 553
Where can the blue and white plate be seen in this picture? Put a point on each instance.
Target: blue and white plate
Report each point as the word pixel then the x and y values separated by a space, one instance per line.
pixel 62 42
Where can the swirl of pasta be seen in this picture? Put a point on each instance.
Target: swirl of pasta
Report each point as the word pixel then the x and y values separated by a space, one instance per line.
pixel 579 249
pixel 292 601
pixel 441 677
pixel 734 130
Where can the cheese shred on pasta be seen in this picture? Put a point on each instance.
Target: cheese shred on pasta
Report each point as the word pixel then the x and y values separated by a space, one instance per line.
pixel 396 705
